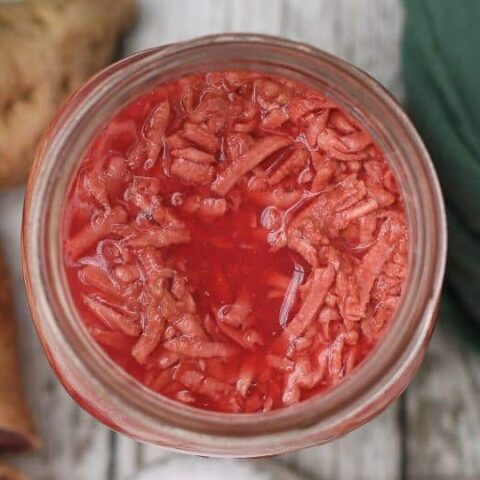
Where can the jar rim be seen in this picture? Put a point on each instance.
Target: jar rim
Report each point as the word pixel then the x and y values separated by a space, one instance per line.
pixel 414 320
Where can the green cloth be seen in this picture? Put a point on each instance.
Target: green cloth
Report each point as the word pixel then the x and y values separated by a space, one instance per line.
pixel 441 67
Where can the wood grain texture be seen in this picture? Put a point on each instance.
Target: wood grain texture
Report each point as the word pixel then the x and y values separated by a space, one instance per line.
pixel 444 413
pixel 432 433
pixel 74 445
pixel 371 452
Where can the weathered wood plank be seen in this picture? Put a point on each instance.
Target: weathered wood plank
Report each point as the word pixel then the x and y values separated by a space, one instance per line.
pixel 202 18
pixel 355 30
pixel 213 16
pixel 163 22
pixel 371 452
pixel 363 32
pixel 444 413
pixel 127 457
pixel 75 446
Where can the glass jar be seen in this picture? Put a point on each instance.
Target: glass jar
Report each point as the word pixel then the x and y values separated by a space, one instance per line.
pixel 111 395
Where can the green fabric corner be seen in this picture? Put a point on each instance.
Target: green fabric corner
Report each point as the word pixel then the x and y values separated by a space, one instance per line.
pixel 441 68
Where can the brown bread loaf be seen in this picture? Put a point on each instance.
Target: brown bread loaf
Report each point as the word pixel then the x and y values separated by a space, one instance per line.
pixel 48 48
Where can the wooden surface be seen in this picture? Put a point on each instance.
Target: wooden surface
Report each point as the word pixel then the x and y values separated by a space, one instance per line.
pixel 431 433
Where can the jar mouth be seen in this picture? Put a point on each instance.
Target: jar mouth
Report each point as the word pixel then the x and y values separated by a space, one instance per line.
pixel 71 132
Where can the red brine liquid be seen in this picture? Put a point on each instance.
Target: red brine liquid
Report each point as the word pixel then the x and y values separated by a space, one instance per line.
pixel 235 241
